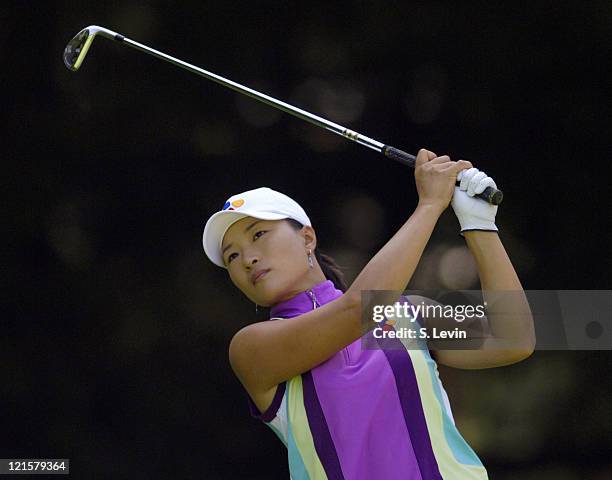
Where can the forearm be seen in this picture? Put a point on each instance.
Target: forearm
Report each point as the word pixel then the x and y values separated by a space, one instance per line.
pixel 392 267
pixel 508 311
pixel 494 266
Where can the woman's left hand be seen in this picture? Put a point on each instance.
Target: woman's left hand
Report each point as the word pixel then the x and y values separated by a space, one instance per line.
pixel 472 212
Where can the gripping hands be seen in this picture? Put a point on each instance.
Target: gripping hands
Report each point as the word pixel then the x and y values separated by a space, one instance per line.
pixel 436 179
pixel 472 212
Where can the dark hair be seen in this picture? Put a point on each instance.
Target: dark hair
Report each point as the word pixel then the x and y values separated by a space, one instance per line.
pixel 331 269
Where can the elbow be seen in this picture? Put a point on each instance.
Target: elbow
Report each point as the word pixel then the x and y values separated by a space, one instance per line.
pixel 352 301
pixel 352 307
pixel 529 342
pixel 523 350
pixel 519 355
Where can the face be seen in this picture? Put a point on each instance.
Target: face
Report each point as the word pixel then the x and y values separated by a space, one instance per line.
pixel 274 246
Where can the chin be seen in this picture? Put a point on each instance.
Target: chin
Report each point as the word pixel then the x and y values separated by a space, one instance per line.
pixel 268 297
pixel 269 293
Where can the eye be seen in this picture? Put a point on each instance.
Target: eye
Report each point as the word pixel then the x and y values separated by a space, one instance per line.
pixel 255 236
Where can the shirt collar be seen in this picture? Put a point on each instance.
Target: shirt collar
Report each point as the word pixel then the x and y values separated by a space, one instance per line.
pixel 323 292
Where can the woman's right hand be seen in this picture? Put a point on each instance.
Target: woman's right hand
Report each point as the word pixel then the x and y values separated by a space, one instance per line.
pixel 435 178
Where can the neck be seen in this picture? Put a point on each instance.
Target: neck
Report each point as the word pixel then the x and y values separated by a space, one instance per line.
pixel 315 276
pixel 314 296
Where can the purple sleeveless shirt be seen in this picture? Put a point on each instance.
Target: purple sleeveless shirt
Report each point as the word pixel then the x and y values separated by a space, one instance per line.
pixel 366 413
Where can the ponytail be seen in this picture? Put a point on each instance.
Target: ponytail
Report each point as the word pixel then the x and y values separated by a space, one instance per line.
pixel 331 269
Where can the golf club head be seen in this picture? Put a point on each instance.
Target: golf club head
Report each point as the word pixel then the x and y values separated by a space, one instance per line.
pixel 77 48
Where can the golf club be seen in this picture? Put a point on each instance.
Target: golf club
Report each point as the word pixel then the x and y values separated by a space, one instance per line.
pixel 76 50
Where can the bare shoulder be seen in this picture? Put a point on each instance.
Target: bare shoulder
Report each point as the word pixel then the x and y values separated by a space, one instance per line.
pixel 239 353
pixel 265 354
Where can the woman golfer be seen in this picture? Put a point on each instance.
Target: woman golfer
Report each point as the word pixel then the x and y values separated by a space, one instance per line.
pixel 344 412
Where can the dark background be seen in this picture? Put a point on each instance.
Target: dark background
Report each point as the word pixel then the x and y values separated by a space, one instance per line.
pixel 115 324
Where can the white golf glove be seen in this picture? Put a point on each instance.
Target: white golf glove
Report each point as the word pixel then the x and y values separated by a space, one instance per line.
pixel 472 212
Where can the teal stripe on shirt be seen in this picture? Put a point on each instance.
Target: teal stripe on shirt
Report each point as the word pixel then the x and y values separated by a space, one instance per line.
pixel 461 450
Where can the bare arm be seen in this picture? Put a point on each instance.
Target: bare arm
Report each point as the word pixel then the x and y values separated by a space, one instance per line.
pixel 266 353
pixel 508 313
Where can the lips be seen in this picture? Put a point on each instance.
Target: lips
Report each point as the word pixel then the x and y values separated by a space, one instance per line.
pixel 257 274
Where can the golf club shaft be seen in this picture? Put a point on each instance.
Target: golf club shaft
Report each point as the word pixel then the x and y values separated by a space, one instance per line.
pixel 304 115
pixel 490 194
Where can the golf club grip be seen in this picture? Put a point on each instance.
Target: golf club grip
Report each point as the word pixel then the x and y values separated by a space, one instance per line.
pixel 490 195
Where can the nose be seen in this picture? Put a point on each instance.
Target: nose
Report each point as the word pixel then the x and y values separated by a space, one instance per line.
pixel 250 259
